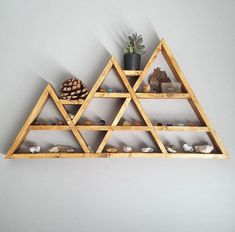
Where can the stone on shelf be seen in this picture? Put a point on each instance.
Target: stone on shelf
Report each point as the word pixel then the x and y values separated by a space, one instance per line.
pixel 136 123
pixel 159 124
pixel 171 149
pixel 101 122
pixel 126 123
pixel 34 149
pixel 88 122
pixel 59 122
pixel 206 149
pixel 109 90
pixel 36 122
pixel 180 124
pixel 147 149
pixel 102 90
pixel 111 149
pixel 71 116
pixel 146 88
pixel 61 148
pixel 169 124
pixel 127 149
pixel 187 148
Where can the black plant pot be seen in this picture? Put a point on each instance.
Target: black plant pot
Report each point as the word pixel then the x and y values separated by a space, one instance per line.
pixel 132 61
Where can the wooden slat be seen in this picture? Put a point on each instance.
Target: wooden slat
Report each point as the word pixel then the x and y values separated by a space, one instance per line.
pixel 162 95
pixel 49 127
pixel 182 128
pixel 105 128
pixel 117 155
pixel 72 102
pixel 111 95
pixel 132 73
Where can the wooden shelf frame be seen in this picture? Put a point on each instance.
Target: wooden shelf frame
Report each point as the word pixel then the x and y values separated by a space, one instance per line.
pixel 129 95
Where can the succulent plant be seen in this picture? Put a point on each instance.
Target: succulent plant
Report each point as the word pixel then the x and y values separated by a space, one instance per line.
pixel 135 45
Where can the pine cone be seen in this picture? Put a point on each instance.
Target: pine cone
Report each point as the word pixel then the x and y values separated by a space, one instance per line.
pixel 73 89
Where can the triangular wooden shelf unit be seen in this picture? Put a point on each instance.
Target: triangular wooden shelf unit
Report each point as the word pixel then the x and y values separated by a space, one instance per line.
pixel 129 96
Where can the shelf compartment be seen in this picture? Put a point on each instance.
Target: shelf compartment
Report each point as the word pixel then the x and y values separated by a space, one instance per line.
pixel 132 73
pixel 117 155
pixel 49 127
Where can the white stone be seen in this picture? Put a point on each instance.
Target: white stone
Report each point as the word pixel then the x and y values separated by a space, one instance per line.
pixel 127 149
pixel 171 149
pixel 71 116
pixel 187 148
pixel 34 149
pixel 206 149
pixel 61 148
pixel 147 149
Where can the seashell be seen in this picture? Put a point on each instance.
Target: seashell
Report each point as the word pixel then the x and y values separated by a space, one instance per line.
pixel 147 149
pixel 61 148
pixel 206 149
pixel 127 149
pixel 187 148
pixel 146 88
pixel 34 149
pixel 88 122
pixel 101 122
pixel 126 123
pixel 171 149
pixel 111 149
pixel 71 116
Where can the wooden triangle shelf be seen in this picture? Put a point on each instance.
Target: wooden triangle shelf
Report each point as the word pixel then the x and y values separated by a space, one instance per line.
pixel 130 95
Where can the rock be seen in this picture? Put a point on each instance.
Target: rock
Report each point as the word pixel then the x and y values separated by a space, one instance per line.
pixel 159 124
pixel 71 116
pixel 146 88
pixel 34 149
pixel 180 124
pixel 147 149
pixel 137 123
pixel 88 122
pixel 187 148
pixel 206 149
pixel 59 122
pixel 169 124
pixel 101 122
pixel 102 90
pixel 171 149
pixel 126 123
pixel 109 90
pixel 127 149
pixel 61 148
pixel 53 123
pixel 111 149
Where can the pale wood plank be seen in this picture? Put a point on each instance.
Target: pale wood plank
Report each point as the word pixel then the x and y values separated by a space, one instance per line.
pixel 111 95
pixel 162 95
pixel 132 73
pixel 71 102
pixel 49 127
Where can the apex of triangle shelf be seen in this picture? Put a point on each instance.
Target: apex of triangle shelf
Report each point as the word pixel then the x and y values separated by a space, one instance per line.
pixel 130 95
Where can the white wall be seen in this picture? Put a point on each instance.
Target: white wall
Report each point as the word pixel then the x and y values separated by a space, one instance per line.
pixel 46 41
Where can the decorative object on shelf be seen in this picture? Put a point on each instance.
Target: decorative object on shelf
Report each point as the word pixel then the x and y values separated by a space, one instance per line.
pixel 73 89
pixel 127 149
pixel 136 123
pixel 192 124
pixel 102 90
pixel 101 122
pixel 34 149
pixel 157 78
pixel 180 124
pixel 146 88
pixel 36 122
pixel 59 122
pixel 171 148
pixel 169 124
pixel 111 149
pixel 159 124
pixel 109 90
pixel 133 52
pixel 126 123
pixel 53 124
pixel 187 148
pixel 61 148
pixel 173 87
pixel 147 149
pixel 71 116
pixel 88 122
pixel 206 149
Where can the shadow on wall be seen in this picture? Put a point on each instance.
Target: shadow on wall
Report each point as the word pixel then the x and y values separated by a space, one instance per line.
pixel 120 34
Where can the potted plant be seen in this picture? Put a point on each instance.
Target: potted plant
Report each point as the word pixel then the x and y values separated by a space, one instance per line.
pixel 133 52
